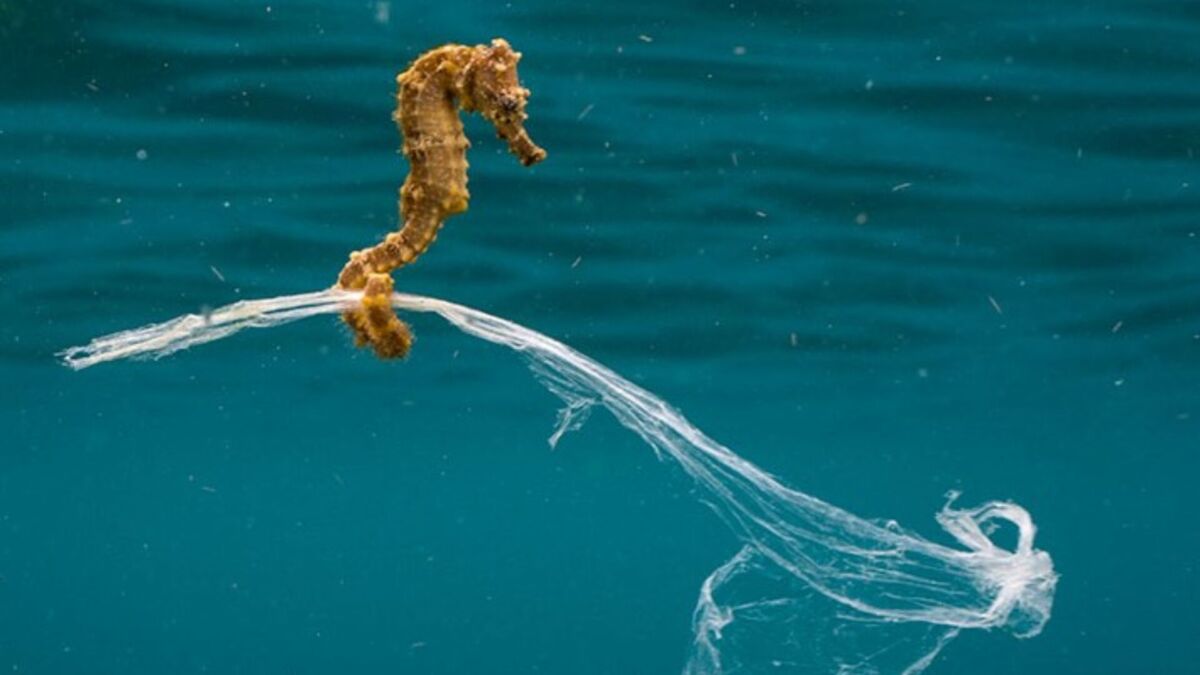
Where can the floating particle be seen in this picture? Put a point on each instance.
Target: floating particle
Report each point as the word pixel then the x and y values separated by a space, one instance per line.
pixel 995 305
pixel 645 38
pixel 901 186
pixel 216 272
pixel 586 109
pixel 861 218
pixel 383 12
pixel 739 51
pixel 1117 326
pixel 141 154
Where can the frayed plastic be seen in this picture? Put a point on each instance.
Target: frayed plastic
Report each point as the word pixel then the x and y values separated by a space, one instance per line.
pixel 814 589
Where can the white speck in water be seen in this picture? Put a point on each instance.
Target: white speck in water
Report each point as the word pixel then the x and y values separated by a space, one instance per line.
pixel 216 272
pixel 869 85
pixel 576 262
pixel 901 186
pixel 1117 326
pixel 586 109
pixel 761 214
pixel 645 38
pixel 861 218
pixel 141 154
pixel 383 12
pixel 1118 382
pixel 739 51
pixel 995 305
pixel 922 373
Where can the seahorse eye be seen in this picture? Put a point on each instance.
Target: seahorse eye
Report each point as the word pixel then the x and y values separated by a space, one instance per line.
pixel 509 103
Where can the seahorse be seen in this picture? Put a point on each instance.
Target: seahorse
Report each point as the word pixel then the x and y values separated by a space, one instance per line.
pixel 479 79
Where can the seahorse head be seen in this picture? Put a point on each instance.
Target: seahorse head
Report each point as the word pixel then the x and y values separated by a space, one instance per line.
pixel 490 86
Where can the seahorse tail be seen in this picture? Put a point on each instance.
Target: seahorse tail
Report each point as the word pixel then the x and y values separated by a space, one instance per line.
pixel 375 323
pixel 354 274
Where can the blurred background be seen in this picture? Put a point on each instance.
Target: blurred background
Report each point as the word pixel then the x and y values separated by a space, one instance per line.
pixel 883 249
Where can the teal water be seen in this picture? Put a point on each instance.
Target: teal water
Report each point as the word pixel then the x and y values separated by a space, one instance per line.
pixel 882 249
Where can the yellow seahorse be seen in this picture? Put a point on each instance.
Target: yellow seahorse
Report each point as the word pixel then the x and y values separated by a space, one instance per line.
pixel 479 79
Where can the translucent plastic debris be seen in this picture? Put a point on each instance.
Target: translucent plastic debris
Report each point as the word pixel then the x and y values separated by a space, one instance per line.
pixel 814 589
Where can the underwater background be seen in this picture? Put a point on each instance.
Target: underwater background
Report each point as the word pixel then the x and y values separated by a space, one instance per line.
pixel 884 250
